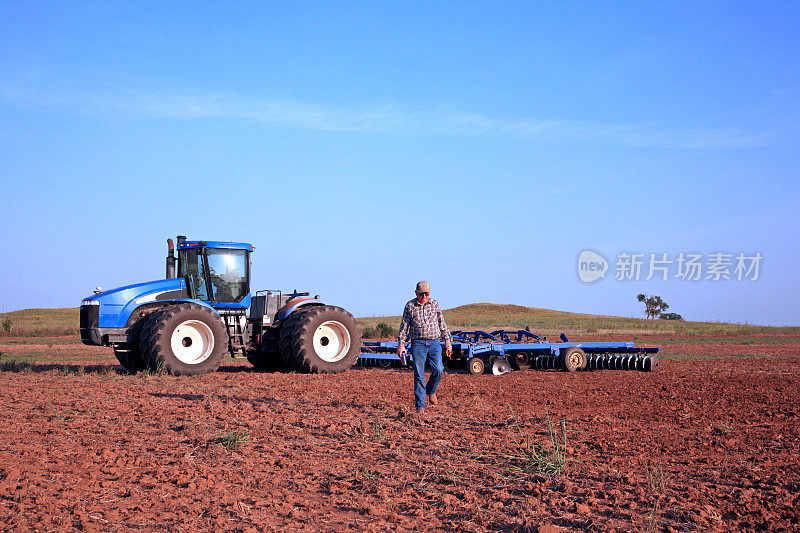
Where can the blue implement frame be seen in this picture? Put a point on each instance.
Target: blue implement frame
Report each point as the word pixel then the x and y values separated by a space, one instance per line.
pixel 502 343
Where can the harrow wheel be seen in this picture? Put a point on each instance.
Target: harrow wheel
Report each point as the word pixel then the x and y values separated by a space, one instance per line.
pixel 476 366
pixel 572 359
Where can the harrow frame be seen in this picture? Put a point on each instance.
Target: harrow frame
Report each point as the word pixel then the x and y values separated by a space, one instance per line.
pixel 529 350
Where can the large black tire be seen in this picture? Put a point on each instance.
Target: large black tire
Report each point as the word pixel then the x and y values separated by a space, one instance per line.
pixel 321 340
pixel 128 353
pixel 129 357
pixel 184 340
pixel 286 338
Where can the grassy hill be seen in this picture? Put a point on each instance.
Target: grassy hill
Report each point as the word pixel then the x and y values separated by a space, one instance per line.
pixel 42 322
pixel 489 316
pixel 486 316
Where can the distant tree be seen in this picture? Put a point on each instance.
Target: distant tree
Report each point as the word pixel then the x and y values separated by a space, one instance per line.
pixel 653 305
pixel 670 316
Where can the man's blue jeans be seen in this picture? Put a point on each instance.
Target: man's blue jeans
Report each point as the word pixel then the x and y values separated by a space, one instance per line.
pixel 422 351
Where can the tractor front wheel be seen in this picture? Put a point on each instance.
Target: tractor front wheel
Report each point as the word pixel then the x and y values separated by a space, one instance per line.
pixel 184 340
pixel 128 353
pixel 129 357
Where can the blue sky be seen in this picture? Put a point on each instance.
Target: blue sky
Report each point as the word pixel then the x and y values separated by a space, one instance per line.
pixel 364 146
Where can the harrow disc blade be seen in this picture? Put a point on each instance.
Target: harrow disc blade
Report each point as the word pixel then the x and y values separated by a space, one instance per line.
pixel 500 366
pixel 650 363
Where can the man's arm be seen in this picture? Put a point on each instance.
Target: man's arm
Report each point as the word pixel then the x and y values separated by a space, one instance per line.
pixel 444 330
pixel 403 330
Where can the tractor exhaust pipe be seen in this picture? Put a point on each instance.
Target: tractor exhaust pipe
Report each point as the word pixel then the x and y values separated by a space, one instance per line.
pixel 170 259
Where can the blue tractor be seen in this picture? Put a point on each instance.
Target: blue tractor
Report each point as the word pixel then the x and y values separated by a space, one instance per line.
pixel 187 323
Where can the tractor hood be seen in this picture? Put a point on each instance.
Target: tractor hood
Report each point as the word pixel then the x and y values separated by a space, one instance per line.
pixel 116 305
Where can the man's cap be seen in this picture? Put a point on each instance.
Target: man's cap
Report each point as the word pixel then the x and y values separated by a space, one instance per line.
pixel 423 286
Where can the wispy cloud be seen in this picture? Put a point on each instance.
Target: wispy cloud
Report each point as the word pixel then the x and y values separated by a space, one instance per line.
pixel 380 118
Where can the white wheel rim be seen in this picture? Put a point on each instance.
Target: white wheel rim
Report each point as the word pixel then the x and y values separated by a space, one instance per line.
pixel 331 341
pixel 192 342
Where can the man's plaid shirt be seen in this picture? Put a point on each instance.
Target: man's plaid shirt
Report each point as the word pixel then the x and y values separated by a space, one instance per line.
pixel 422 322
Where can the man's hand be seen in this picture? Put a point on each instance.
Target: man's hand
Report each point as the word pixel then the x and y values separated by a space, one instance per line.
pixel 401 354
pixel 448 348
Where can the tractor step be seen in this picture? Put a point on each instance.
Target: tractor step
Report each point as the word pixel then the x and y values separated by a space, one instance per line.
pixel 236 333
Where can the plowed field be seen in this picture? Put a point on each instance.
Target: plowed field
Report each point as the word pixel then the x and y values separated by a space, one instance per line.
pixel 708 444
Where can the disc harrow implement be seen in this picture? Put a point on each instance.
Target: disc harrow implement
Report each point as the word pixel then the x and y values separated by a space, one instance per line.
pixel 501 351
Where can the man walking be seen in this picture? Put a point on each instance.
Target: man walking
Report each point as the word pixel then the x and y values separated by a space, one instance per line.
pixel 424 324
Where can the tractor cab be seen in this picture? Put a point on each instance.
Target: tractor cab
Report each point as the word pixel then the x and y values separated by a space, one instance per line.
pixel 215 272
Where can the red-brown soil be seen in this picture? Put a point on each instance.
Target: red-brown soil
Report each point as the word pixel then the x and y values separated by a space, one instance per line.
pixel 698 445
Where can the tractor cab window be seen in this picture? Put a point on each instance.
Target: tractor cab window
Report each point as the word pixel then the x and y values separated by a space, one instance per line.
pixel 194 272
pixel 228 274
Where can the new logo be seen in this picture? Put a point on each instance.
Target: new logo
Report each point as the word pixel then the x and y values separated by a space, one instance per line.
pixel 591 266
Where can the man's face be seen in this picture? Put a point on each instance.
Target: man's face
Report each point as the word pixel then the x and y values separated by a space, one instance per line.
pixel 423 297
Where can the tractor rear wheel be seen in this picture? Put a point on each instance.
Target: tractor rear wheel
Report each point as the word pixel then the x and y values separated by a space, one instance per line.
pixel 321 340
pixel 572 359
pixel 184 340
pixel 286 338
